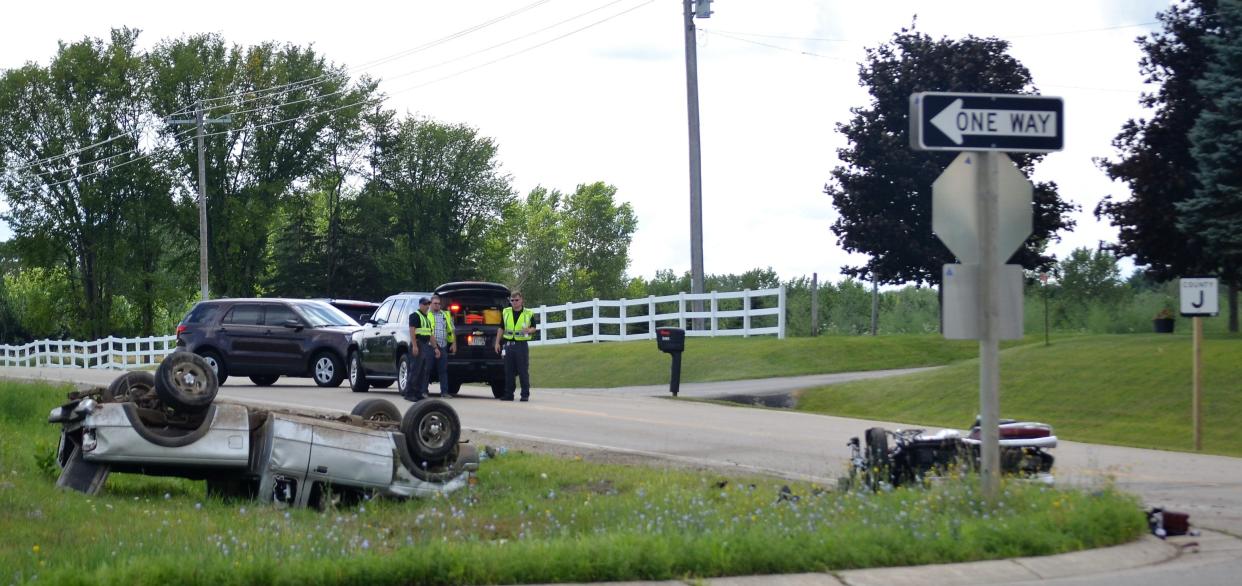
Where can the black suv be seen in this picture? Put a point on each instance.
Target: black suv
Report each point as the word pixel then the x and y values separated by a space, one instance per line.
pixel 267 338
pixel 379 353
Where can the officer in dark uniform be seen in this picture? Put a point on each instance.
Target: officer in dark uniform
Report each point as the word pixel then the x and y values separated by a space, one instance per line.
pixel 423 357
pixel 518 328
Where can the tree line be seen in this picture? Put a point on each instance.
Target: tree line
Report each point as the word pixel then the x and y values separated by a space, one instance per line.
pixel 314 189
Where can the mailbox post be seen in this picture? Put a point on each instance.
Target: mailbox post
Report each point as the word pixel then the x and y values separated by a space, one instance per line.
pixel 672 341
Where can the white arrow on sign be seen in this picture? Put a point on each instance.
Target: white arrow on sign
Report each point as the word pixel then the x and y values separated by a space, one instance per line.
pixel 956 121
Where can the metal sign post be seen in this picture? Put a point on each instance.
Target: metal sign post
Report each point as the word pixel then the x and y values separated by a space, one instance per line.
pixel 982 209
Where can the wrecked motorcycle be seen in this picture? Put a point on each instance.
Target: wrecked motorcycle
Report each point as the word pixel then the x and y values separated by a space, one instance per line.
pixel 914 455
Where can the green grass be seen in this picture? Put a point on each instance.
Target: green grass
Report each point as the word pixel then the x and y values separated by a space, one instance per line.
pixel 621 364
pixel 528 519
pixel 1132 390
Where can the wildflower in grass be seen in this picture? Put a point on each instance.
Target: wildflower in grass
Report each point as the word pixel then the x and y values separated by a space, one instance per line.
pixel 35 549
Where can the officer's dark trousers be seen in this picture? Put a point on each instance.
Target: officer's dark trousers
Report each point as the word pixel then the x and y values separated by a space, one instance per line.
pixel 517 361
pixel 425 361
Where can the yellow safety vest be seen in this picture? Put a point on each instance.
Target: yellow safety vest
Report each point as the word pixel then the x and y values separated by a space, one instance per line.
pixel 448 326
pixel 513 328
pixel 425 324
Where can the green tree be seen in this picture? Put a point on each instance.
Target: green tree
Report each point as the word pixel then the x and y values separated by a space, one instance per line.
pixel 1087 278
pixel 87 109
pixel 1214 212
pixel 276 138
pixel 447 191
pixel 598 232
pixel 1154 154
pixel 535 232
pixel 883 190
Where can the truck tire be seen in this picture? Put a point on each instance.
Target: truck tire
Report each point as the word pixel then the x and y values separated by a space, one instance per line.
pixel 377 410
pixel 217 365
pixel 431 429
pixel 264 380
pixel 186 383
pixel 357 374
pixel 327 369
pixel 129 387
pixel 878 462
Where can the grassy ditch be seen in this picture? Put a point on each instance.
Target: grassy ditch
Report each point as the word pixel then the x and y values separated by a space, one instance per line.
pixel 1132 390
pixel 618 364
pixel 530 518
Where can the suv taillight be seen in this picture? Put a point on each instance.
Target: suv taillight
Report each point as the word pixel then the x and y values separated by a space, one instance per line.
pixel 181 328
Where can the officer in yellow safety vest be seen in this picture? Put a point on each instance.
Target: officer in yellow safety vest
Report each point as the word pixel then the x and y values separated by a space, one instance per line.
pixel 422 357
pixel 443 343
pixel 518 328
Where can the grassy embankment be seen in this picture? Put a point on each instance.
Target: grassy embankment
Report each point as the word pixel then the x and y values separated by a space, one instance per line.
pixel 618 364
pixel 1132 390
pixel 529 519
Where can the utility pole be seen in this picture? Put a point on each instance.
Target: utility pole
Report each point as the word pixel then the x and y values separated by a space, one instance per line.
pixel 199 121
pixel 693 9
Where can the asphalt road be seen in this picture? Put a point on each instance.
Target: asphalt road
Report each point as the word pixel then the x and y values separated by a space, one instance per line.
pixel 645 422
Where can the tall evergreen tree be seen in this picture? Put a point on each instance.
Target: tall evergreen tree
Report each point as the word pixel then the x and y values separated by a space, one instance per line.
pixel 1214 212
pixel 1154 154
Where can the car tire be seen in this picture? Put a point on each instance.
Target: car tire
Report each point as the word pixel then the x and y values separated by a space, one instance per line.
pixel 383 384
pixel 377 410
pixel 186 383
pixel 265 380
pixel 129 387
pixel 217 365
pixel 357 374
pixel 431 429
pixel 327 369
pixel 498 389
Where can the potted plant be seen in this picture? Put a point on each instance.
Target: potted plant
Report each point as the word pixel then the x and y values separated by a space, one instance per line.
pixel 1163 322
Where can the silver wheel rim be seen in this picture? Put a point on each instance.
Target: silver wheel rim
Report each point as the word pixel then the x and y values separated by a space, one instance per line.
pixel 190 379
pixel 353 371
pixel 324 369
pixel 434 430
pixel 403 373
pixel 215 368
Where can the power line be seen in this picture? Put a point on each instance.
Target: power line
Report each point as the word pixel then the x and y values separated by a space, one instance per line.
pixel 770 46
pixel 103 160
pixel 301 84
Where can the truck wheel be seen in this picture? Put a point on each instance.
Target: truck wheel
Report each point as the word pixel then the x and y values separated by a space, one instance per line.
pixel 357 376
pixel 217 365
pixel 265 380
pixel 406 368
pixel 431 429
pixel 327 369
pixel 185 382
pixel 130 386
pixel 382 384
pixel 377 410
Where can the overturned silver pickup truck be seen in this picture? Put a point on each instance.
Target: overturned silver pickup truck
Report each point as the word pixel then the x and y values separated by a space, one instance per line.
pixel 169 424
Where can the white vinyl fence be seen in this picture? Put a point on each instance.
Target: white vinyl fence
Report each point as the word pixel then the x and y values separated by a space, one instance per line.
pixel 738 313
pixel 109 352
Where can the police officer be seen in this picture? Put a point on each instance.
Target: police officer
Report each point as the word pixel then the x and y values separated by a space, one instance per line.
pixel 443 343
pixel 421 330
pixel 517 331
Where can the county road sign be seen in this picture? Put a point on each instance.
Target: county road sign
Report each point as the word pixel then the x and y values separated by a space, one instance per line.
pixel 1198 297
pixel 944 121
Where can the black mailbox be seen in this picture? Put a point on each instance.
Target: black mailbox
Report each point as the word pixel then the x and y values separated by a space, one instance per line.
pixel 671 339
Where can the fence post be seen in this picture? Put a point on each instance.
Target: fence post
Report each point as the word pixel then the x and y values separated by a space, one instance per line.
pixel 814 304
pixel 543 320
pixel 651 326
pixel 780 315
pixel 746 313
pixel 623 327
pixel 569 322
pixel 595 320
pixel 715 320
pixel 681 309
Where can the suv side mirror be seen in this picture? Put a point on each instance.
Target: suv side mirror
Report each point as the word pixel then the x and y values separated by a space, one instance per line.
pixel 292 323
pixel 365 319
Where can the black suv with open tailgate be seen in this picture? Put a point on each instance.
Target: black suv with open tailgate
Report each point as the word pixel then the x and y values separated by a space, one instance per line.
pixel 379 353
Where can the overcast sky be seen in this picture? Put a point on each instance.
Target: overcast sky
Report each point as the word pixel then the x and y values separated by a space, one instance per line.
pixel 608 103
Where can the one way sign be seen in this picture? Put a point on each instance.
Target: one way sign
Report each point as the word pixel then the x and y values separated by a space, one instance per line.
pixel 945 121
